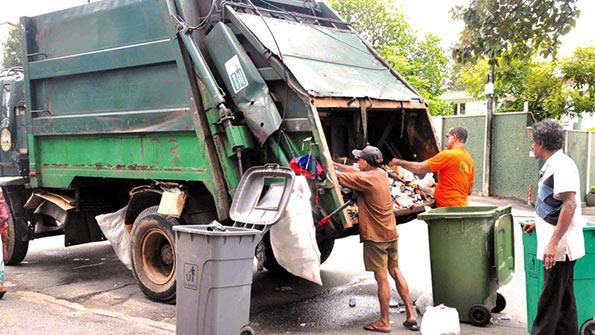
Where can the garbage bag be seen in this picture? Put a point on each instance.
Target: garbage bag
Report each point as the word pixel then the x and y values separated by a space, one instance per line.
pixel 302 166
pixel 112 226
pixel 440 320
pixel 293 237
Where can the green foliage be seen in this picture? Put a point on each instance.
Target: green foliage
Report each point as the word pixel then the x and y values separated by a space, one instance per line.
pixel 501 31
pixel 520 81
pixel 452 81
pixel 441 107
pixel 12 48
pixel 473 78
pixel 422 63
pixel 551 88
pixel 378 22
pixel 513 28
pixel 544 91
pixel 592 190
pixel 591 129
pixel 579 73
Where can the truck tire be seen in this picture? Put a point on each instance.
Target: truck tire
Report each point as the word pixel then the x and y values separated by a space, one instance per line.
pixel 325 247
pixel 271 264
pixel 153 255
pixel 16 248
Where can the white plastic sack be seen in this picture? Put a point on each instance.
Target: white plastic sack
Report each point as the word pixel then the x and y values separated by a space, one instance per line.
pixel 293 237
pixel 112 226
pixel 440 320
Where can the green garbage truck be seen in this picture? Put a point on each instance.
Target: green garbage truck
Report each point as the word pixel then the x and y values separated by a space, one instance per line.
pixel 160 105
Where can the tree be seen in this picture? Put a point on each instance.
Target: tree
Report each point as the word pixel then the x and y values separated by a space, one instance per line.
pixel 422 63
pixel 380 23
pixel 520 81
pixel 579 72
pixel 511 29
pixel 551 88
pixel 12 48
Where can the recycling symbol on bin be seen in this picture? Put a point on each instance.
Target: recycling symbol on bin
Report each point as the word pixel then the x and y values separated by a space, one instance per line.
pixel 190 276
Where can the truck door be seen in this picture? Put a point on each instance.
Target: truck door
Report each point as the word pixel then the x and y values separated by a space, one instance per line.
pixel 13 135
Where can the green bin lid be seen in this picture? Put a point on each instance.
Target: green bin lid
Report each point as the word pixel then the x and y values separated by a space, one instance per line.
pixel 464 212
pixel 504 248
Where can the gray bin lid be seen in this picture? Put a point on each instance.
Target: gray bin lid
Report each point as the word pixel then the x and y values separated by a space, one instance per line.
pixel 262 195
pixel 204 230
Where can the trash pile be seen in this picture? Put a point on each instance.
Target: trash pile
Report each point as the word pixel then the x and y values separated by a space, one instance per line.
pixel 407 190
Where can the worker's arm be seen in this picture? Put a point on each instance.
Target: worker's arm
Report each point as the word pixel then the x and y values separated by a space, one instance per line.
pixel 346 168
pixel 566 215
pixel 415 167
pixel 470 189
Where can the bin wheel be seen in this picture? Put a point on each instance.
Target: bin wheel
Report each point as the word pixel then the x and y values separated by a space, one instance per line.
pixel 500 303
pixel 153 255
pixel 588 328
pixel 16 249
pixel 479 315
pixel 246 330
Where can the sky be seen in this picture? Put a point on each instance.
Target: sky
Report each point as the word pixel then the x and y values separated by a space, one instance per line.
pixel 432 16
pixel 425 16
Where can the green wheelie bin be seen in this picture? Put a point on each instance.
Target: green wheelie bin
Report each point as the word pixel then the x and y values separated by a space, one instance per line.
pixel 584 280
pixel 471 256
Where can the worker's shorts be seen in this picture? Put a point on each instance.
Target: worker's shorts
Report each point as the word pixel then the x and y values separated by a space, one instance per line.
pixel 379 255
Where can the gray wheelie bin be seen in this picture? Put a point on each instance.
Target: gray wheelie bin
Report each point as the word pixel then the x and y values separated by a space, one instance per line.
pixel 215 262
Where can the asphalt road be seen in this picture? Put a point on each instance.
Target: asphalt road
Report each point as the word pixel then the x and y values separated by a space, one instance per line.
pixel 86 290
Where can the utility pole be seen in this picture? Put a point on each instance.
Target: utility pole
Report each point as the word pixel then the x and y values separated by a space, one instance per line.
pixel 489 92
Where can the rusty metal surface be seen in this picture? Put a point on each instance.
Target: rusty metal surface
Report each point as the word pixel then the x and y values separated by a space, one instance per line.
pixel 370 103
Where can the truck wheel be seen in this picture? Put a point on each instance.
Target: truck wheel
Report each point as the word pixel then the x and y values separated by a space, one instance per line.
pixel 153 255
pixel 16 248
pixel 500 303
pixel 325 247
pixel 271 264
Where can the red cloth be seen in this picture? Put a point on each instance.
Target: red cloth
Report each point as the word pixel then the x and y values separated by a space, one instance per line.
pixel 4 211
pixel 303 164
pixel 4 215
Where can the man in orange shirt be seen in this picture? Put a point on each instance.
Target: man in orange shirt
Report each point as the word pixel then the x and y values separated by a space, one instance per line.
pixel 456 170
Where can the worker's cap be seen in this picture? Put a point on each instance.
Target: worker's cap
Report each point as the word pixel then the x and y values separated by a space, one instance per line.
pixel 370 154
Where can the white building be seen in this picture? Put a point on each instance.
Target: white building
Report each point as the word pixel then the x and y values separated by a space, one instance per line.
pixel 584 122
pixel 465 104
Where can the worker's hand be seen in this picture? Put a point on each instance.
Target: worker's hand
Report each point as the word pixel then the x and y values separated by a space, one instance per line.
pixel 337 167
pixel 393 173
pixel 394 162
pixel 529 228
pixel 549 255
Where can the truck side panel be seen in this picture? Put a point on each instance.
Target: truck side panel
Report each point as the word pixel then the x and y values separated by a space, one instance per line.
pixel 107 97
